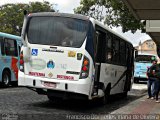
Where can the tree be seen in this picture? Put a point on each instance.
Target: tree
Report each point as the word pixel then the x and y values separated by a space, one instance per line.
pixel 11 15
pixel 113 12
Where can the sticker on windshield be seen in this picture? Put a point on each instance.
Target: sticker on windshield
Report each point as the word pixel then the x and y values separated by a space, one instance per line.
pixel 34 52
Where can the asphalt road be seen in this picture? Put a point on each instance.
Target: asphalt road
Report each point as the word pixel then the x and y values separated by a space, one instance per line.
pixel 18 103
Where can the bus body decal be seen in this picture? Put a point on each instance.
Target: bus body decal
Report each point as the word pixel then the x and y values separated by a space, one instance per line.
pixel 14 62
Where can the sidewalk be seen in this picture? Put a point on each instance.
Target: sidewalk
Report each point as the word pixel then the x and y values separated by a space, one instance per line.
pixel 141 105
pixel 139 86
pixel 139 109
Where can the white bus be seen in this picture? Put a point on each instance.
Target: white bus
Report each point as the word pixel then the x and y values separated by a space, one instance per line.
pixel 74 56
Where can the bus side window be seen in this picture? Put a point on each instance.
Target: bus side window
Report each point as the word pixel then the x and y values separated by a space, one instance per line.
pixel 15 49
pixel 100 45
pixel 109 51
pixel 10 47
pixel 115 45
pixel 2 45
pixel 7 48
pixel 122 52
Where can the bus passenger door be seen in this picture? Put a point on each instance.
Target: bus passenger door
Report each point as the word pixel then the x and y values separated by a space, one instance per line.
pixel 99 51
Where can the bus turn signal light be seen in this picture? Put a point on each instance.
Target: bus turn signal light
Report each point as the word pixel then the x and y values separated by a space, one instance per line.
pixel 21 62
pixel 85 68
pixel 85 62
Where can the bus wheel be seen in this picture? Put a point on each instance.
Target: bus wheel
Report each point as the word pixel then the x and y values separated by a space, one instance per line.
pixel 105 99
pixel 6 78
pixel 124 94
pixel 14 84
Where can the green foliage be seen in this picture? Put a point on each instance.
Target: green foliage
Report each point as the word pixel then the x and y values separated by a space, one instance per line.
pixel 113 12
pixel 11 15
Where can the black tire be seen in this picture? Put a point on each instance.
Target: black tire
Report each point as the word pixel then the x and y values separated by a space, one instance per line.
pixel 124 94
pixel 6 79
pixel 106 98
pixel 15 83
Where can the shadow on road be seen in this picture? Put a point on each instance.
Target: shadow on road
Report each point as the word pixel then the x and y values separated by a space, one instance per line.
pixel 89 107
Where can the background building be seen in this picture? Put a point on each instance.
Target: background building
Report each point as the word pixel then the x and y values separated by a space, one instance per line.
pixel 147 46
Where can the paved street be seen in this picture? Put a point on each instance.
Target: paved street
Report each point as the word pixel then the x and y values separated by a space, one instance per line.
pixel 22 103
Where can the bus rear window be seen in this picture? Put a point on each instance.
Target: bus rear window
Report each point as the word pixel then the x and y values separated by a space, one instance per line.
pixel 57 31
pixel 144 58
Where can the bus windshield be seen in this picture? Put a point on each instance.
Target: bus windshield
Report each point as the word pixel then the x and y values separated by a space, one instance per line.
pixel 57 31
pixel 144 58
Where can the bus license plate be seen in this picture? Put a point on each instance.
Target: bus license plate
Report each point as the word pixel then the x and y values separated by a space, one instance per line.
pixel 50 84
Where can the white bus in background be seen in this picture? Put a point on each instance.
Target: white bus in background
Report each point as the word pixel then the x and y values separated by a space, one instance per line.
pixel 74 56
pixel 142 62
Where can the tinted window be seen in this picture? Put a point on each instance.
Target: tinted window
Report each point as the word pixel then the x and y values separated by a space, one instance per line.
pixel 109 50
pixel 9 47
pixel 116 50
pixel 122 52
pixel 58 31
pixel 1 45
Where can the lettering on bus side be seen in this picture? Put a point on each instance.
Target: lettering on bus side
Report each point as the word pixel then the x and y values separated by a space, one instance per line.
pixel 37 74
pixel 106 71
pixel 62 66
pixel 52 50
pixel 65 77
pixel 110 72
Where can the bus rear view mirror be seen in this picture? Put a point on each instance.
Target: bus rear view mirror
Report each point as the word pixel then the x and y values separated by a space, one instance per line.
pixel 26 53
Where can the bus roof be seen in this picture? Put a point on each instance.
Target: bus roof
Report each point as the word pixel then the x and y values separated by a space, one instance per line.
pixel 77 16
pixel 108 29
pixel 18 38
pixel 10 36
